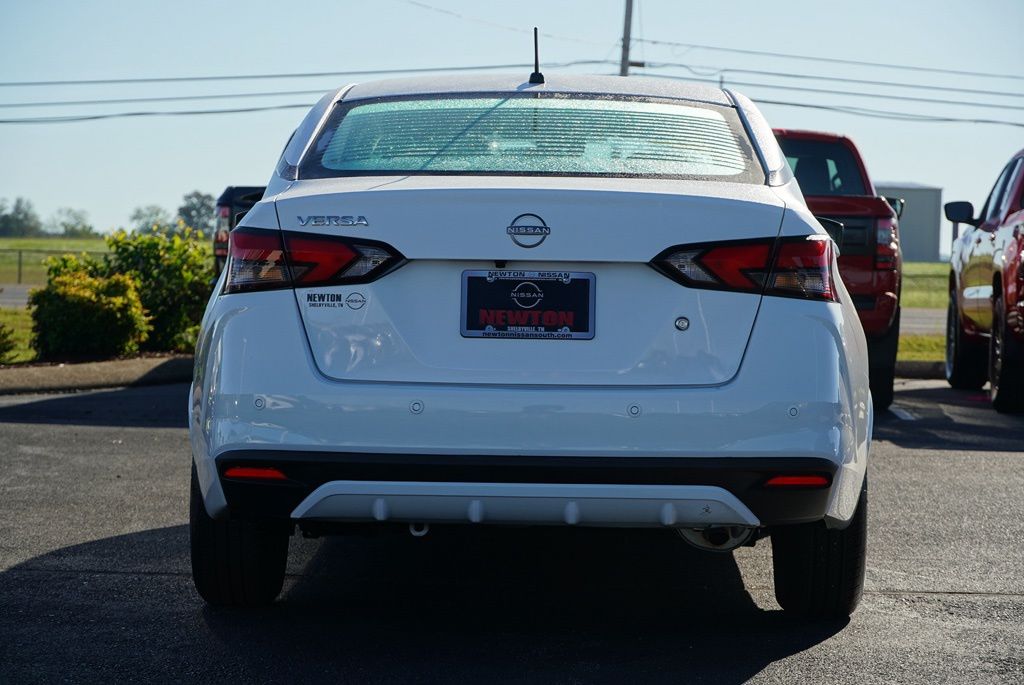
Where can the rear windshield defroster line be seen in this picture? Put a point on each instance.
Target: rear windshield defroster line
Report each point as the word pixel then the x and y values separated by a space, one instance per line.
pixel 533 134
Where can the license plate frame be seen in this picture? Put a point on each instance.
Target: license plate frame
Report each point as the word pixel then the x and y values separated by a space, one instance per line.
pixel 523 305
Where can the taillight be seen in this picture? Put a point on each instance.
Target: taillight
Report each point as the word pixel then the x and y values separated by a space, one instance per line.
pixel 787 267
pixel 261 259
pixel 255 261
pixel 803 268
pixel 887 244
pixel 223 221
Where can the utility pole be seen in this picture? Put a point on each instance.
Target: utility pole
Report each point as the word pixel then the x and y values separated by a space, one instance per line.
pixel 627 28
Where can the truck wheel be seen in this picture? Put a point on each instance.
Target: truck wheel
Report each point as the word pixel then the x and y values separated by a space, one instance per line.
pixel 820 572
pixel 965 360
pixel 235 562
pixel 882 365
pixel 1006 363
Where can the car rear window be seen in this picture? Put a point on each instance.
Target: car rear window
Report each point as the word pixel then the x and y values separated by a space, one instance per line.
pixel 823 167
pixel 533 134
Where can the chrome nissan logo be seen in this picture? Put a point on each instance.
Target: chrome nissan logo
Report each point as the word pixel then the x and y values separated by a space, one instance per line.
pixel 527 295
pixel 528 230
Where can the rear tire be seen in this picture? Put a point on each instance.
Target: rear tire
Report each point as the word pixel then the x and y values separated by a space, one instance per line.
pixel 1006 363
pixel 235 562
pixel 965 360
pixel 882 365
pixel 819 572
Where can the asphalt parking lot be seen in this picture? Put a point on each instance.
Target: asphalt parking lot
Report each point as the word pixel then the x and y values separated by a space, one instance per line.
pixel 95 584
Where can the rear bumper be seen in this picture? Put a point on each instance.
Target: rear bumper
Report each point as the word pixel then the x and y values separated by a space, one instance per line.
pixel 596 491
pixel 801 393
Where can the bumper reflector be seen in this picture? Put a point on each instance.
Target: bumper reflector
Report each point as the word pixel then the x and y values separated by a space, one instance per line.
pixel 254 473
pixel 809 481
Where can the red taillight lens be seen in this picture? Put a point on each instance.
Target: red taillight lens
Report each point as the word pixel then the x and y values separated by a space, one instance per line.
pixel 804 481
pixel 315 260
pixel 255 473
pixel 262 259
pixel 789 267
pixel 887 246
pixel 739 265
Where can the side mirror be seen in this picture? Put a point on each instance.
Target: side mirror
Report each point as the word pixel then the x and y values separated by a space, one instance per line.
pixel 961 213
pixel 897 204
pixel 833 228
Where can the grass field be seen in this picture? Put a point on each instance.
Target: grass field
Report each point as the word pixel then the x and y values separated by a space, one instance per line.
pixel 922 348
pixel 21 323
pixel 32 251
pixel 925 284
pixel 57 244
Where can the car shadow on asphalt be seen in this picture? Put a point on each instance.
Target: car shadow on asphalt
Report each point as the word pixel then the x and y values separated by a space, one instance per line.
pixel 460 605
pixel 156 406
pixel 948 419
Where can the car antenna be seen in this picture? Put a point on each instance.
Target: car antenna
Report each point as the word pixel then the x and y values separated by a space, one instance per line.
pixel 536 76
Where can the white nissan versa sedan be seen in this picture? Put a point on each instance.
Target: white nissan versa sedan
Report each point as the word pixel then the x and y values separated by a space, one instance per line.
pixel 595 301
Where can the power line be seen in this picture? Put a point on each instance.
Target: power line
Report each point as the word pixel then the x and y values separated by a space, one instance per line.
pixel 886 114
pixel 696 70
pixel 704 70
pixel 862 111
pixel 122 115
pixel 855 111
pixel 243 77
pixel 497 25
pixel 881 96
pixel 760 53
pixel 166 98
pixel 833 60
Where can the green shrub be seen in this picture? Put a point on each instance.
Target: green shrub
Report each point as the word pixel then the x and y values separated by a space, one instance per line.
pixel 72 263
pixel 174 273
pixel 80 316
pixel 6 343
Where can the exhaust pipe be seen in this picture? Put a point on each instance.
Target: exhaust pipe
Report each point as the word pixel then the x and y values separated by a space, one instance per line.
pixel 718 539
pixel 418 530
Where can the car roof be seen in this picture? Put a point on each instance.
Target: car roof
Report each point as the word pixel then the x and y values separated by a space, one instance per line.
pixel 808 135
pixel 636 86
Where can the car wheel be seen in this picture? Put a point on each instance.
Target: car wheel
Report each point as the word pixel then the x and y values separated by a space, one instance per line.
pixel 965 360
pixel 1005 363
pixel 820 572
pixel 235 562
pixel 882 365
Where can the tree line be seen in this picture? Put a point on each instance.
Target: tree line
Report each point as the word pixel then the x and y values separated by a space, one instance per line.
pixel 20 219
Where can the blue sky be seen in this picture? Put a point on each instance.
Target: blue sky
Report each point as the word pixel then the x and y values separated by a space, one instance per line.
pixel 109 167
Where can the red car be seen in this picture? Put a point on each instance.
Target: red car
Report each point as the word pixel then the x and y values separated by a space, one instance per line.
pixel 836 185
pixel 985 320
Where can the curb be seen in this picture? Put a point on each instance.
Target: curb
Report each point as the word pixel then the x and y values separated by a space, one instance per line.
pixel 91 375
pixel 933 370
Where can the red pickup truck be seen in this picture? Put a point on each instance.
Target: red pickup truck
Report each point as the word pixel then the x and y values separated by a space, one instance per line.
pixel 836 185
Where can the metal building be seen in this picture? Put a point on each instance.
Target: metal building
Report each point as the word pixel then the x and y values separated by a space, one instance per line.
pixel 921 224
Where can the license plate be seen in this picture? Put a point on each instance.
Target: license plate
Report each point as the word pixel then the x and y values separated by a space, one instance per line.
pixel 543 305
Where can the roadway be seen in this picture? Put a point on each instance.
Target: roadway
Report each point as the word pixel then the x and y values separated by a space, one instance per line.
pixel 95 585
